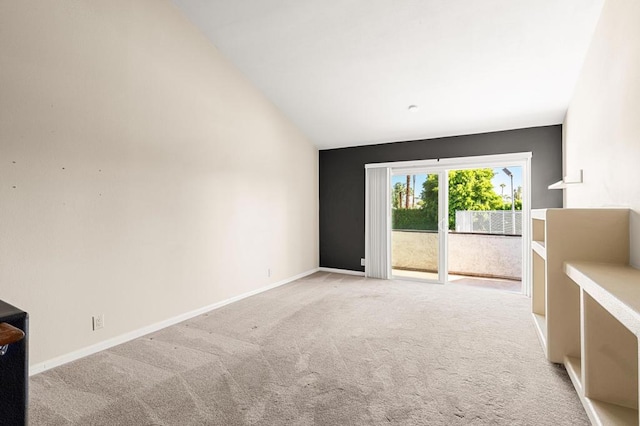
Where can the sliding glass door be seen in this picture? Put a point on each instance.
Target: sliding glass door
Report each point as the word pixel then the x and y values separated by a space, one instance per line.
pixel 419 224
pixel 401 199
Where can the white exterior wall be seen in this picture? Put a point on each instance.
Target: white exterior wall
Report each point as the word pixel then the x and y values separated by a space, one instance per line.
pixel 474 254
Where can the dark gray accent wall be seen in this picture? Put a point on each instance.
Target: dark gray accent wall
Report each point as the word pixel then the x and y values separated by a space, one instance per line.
pixel 342 180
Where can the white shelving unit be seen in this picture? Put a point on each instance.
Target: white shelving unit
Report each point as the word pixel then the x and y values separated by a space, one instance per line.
pixel 586 306
pixel 561 235
pixel 606 374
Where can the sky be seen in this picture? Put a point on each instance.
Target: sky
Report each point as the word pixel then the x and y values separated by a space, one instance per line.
pixel 500 177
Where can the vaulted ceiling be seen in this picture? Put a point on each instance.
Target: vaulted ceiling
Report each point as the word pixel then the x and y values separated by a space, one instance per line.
pixel 345 72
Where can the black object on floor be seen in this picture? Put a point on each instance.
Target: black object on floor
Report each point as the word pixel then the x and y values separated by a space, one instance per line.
pixel 13 367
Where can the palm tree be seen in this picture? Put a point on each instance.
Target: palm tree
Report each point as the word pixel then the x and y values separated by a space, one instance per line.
pixel 406 204
pixel 398 193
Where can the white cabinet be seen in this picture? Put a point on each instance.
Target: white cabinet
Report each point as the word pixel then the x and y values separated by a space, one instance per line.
pixel 586 306
pixel 561 235
pixel 607 375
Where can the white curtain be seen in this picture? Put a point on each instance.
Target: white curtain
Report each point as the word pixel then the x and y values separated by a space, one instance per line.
pixel 377 222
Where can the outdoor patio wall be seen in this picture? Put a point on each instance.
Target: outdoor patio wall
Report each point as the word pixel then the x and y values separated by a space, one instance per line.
pixel 472 254
pixel 602 126
pixel 141 176
pixel 414 250
pixel 342 184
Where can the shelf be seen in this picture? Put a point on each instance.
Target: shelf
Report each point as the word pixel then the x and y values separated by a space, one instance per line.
pixel 574 369
pixel 562 185
pixel 538 296
pixel 567 181
pixel 538 214
pixel 540 248
pixel 587 312
pixel 610 294
pixel 610 414
pixel 540 322
pixel 614 286
pixel 538 225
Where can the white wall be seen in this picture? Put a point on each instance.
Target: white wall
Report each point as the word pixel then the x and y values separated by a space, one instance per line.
pixel 141 176
pixel 602 126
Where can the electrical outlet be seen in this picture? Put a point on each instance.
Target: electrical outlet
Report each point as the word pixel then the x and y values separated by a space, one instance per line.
pixel 98 322
pixel 362 262
pixel 269 272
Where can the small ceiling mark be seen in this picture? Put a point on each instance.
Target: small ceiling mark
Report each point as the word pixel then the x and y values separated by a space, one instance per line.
pixel 413 108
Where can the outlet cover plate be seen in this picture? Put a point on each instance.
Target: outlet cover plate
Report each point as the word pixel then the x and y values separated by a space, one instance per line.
pixel 98 322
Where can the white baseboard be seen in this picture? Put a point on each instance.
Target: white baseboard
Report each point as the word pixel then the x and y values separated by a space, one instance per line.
pixel 114 341
pixel 342 271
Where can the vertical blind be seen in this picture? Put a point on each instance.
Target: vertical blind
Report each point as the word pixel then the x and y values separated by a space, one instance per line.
pixel 376 222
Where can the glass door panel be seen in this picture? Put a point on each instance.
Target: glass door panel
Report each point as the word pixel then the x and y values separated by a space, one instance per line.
pixel 416 226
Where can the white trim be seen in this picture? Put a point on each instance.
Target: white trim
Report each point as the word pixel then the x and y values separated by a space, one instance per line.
pixel 521 159
pixel 527 255
pixel 114 341
pixel 342 271
pixel 389 225
pixel 443 226
pixel 453 163
pixel 367 251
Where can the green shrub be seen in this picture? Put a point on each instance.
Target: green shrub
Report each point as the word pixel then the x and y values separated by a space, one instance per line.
pixel 414 219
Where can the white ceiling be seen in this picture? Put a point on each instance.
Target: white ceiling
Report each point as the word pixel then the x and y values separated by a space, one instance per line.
pixel 345 72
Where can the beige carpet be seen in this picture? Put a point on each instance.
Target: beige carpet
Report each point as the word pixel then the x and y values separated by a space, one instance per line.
pixel 328 350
